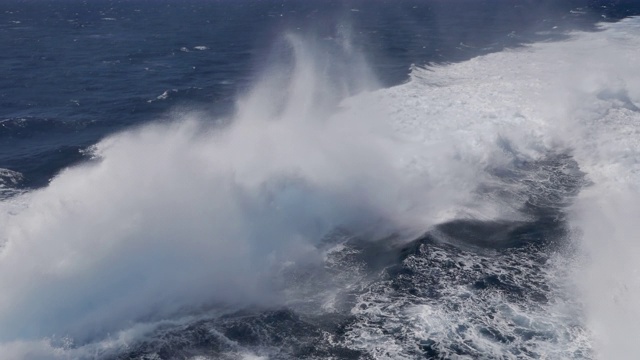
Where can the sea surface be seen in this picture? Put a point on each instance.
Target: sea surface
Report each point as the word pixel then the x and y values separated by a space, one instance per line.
pixel 262 179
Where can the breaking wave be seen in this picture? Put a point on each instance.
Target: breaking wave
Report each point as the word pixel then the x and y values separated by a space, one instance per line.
pixel 175 222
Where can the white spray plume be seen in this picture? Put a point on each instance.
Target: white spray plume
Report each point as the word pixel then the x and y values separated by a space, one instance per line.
pixel 172 217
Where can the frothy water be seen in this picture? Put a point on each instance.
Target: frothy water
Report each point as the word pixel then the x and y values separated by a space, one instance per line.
pixel 581 95
pixel 174 218
pixel 172 221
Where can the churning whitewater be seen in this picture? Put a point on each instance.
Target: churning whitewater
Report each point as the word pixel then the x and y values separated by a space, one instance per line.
pixel 483 209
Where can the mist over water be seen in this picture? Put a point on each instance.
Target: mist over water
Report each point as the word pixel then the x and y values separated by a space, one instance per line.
pixel 174 218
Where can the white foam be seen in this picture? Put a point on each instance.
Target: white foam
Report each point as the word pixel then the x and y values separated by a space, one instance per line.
pixel 476 323
pixel 9 181
pixel 581 95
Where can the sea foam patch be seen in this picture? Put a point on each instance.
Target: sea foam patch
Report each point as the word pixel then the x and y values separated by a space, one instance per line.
pixel 580 96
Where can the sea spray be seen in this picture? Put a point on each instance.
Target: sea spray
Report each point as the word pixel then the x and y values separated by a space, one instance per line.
pixel 174 218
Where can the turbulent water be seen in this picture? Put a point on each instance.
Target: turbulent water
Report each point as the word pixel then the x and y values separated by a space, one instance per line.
pixel 319 180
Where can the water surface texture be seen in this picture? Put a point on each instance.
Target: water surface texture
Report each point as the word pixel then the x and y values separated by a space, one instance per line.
pixel 319 179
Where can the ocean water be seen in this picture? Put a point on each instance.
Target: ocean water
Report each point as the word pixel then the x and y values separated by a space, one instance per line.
pixel 319 179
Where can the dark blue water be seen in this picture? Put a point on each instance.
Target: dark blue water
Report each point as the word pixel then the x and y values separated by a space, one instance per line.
pixel 75 72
